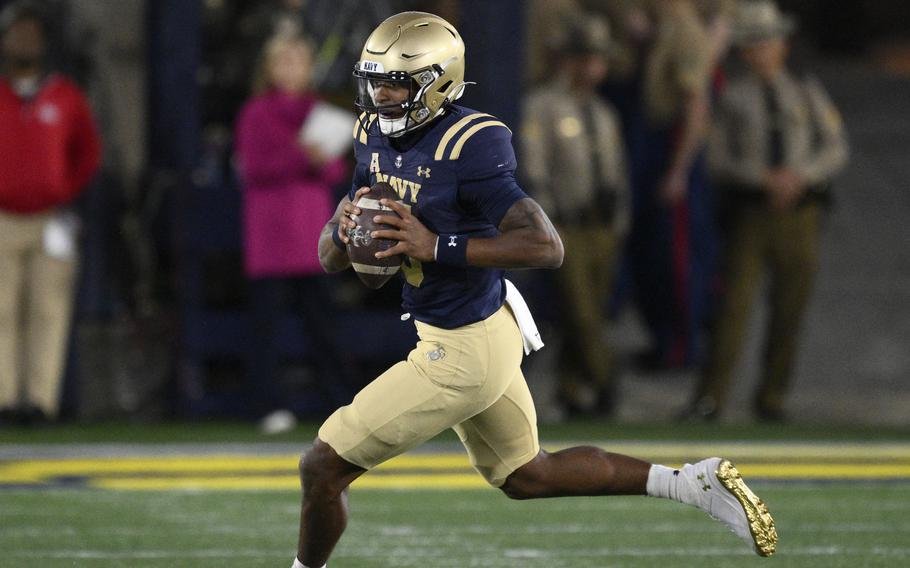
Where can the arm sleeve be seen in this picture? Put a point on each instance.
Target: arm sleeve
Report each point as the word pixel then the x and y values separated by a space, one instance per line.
pixel 487 173
pixel 492 196
pixel 830 153
pixel 84 147
pixel 487 153
pixel 693 54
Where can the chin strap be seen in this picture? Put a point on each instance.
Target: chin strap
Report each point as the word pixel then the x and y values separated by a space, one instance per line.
pixel 393 126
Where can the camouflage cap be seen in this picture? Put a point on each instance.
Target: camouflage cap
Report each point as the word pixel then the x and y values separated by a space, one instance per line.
pixel 582 34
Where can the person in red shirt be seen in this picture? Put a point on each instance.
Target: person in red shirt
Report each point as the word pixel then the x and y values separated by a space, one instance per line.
pixel 49 152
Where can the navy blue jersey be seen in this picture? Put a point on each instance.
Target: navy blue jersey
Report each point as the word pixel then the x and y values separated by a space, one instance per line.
pixel 459 177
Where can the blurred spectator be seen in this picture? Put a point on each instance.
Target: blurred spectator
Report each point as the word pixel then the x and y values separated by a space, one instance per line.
pixel 574 165
pixel 287 196
pixel 777 143
pixel 665 105
pixel 235 29
pixel 234 32
pixel 545 16
pixel 49 152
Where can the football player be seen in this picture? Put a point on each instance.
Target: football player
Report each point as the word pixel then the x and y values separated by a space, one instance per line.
pixel 462 221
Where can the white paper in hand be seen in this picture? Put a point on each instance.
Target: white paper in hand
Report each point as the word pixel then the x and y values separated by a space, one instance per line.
pixel 329 129
pixel 60 234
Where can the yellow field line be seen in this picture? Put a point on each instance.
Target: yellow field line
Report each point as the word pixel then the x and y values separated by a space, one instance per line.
pixel 662 452
pixel 470 480
pixel 804 451
pixel 289 482
pixel 35 470
pixel 825 471
pixel 278 482
pixel 449 480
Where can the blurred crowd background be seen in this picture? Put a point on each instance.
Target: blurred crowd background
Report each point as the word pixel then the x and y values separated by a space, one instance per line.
pixel 736 243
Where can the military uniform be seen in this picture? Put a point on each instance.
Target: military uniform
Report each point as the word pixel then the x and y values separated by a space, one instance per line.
pixel 671 247
pixel 813 140
pixel 680 61
pixel 574 162
pixel 543 15
pixel 790 123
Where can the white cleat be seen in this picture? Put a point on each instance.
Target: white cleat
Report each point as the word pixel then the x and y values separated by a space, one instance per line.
pixel 724 495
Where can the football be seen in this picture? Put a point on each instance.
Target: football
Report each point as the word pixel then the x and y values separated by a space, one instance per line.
pixel 362 248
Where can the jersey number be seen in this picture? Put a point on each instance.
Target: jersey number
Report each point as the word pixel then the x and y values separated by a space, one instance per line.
pixel 413 271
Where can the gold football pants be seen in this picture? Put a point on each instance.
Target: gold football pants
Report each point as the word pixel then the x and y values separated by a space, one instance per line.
pixel 468 379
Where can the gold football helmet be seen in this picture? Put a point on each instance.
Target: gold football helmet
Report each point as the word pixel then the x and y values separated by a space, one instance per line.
pixel 417 51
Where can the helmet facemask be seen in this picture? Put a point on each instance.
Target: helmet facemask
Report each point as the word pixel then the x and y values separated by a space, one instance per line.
pixel 396 118
pixel 413 50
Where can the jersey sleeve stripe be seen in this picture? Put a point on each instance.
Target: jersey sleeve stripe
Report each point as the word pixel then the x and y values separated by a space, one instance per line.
pixel 452 131
pixel 358 124
pixel 364 132
pixel 456 150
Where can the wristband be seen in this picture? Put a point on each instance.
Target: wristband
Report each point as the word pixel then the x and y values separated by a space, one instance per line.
pixel 336 238
pixel 452 250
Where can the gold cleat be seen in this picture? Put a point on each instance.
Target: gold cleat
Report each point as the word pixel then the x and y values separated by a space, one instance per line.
pixel 761 524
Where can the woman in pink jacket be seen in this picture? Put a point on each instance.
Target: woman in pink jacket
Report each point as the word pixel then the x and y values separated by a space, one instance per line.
pixel 287 196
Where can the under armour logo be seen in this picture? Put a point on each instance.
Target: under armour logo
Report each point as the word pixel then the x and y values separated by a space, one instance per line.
pixel 452 242
pixel 421 172
pixel 705 486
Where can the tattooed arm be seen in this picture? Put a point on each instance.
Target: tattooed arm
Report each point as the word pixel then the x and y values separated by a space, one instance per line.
pixel 527 239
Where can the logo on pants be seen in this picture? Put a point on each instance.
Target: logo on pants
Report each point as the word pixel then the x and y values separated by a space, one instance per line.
pixel 437 354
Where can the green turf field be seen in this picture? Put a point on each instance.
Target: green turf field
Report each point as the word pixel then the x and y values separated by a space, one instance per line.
pixel 840 500
pixel 820 525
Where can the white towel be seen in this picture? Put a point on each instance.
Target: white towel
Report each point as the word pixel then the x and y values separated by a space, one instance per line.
pixel 529 334
pixel 61 234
